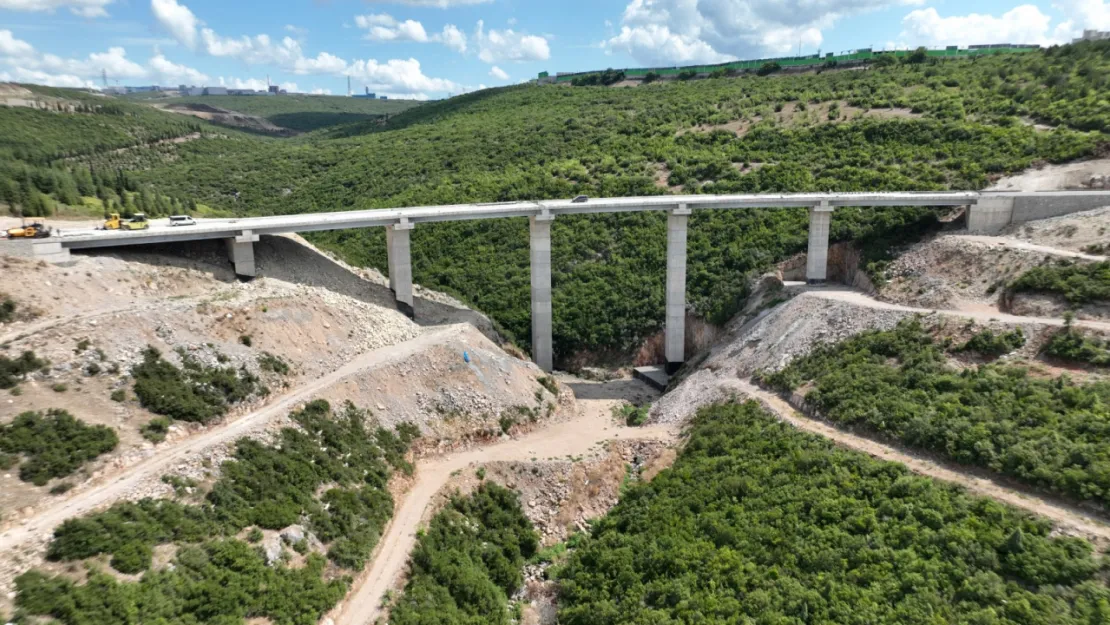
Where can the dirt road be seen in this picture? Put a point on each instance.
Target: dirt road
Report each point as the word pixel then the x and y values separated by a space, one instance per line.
pixel 847 294
pixel 593 425
pixel 1029 247
pixel 44 521
pixel 1069 518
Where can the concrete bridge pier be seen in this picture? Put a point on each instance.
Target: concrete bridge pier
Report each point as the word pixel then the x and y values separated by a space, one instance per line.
pixel 399 252
pixel 240 251
pixel 675 338
pixel 817 259
pixel 540 238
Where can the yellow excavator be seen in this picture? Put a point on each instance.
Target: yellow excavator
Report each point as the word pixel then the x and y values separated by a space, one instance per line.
pixel 137 222
pixel 34 230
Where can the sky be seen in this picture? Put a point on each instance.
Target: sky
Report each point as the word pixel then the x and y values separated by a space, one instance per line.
pixel 437 48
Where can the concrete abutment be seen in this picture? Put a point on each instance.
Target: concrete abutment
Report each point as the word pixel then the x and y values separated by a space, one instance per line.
pixel 240 252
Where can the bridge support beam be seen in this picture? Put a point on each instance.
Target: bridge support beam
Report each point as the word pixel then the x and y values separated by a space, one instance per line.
pixel 675 340
pixel 542 350
pixel 817 259
pixel 399 251
pixel 240 251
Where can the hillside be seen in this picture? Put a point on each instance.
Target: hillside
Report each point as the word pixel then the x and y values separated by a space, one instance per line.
pixel 934 125
pixel 298 113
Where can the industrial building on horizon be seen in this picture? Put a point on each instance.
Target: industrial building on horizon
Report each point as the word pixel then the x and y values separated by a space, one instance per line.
pixel 1093 35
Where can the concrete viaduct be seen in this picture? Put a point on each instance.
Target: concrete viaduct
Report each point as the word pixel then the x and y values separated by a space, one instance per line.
pixel 989 213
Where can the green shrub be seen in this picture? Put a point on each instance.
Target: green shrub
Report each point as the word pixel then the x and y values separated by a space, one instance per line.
pixel 82 345
pixel 16 391
pixel 133 557
pixel 550 383
pixel 60 387
pixel 12 371
pixel 7 309
pixel 156 429
pixel 1077 283
pixel 272 363
pixel 1046 433
pixel 631 415
pixel 192 393
pixel 61 488
pixel 815 533
pixel 1074 345
pixel 255 535
pixel 92 369
pixel 988 343
pixel 469 561
pixel 56 444
pixel 119 395
pixel 245 339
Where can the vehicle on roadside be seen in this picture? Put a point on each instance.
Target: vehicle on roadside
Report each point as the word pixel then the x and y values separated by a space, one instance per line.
pixel 182 220
pixel 137 222
pixel 34 230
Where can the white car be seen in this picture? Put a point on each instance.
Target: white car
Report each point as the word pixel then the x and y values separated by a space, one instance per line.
pixel 182 220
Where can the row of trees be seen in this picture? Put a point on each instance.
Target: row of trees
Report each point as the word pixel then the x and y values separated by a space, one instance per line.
pixel 758 522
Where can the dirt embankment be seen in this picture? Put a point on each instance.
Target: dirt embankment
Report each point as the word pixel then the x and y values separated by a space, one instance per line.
pixel 226 117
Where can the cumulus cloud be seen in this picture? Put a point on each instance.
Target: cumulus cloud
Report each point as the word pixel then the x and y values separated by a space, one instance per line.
pixel 24 63
pixel 397 75
pixel 177 19
pixel 84 8
pixel 383 27
pixel 498 73
pixel 508 45
pixel 703 31
pixel 1022 24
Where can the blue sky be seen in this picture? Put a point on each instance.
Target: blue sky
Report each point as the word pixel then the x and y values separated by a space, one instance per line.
pixel 434 48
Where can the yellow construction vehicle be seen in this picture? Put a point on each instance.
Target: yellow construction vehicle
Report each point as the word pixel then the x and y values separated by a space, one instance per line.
pixel 34 230
pixel 138 222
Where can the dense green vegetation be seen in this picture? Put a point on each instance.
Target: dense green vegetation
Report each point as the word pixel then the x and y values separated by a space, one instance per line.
pixel 1049 433
pixel 56 444
pixel 303 113
pixel 218 582
pixel 468 562
pixel 759 523
pixel 215 578
pixel 269 486
pixel 988 343
pixel 1072 344
pixel 1076 282
pixel 12 371
pixel 7 308
pixel 194 392
pixel 526 142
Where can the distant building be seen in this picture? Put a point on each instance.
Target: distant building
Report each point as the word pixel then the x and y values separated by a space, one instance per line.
pixel 1093 35
pixel 215 91
pixel 114 90
pixel 275 89
pixel 194 91
pixel 384 97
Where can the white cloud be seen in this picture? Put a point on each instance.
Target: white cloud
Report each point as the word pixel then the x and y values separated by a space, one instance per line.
pixel 296 30
pixel 25 63
pixel 401 76
pixel 177 19
pixel 509 45
pixel 441 4
pixel 383 27
pixel 700 31
pixel 1085 13
pixel 1022 24
pixel 10 46
pixel 84 8
pixel 319 91
pixel 167 72
pixel 498 73
pixel 393 76
pixel 453 38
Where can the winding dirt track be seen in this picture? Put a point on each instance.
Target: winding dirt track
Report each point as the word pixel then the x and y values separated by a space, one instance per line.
pixel 108 492
pixel 1067 517
pixel 593 425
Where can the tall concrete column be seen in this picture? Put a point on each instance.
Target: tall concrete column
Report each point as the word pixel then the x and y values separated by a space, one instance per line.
pixel 675 350
pixel 389 257
pixel 240 251
pixel 400 265
pixel 990 214
pixel 542 350
pixel 817 259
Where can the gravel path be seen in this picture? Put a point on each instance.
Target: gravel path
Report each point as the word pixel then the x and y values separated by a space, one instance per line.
pixel 593 425
pixel 41 524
